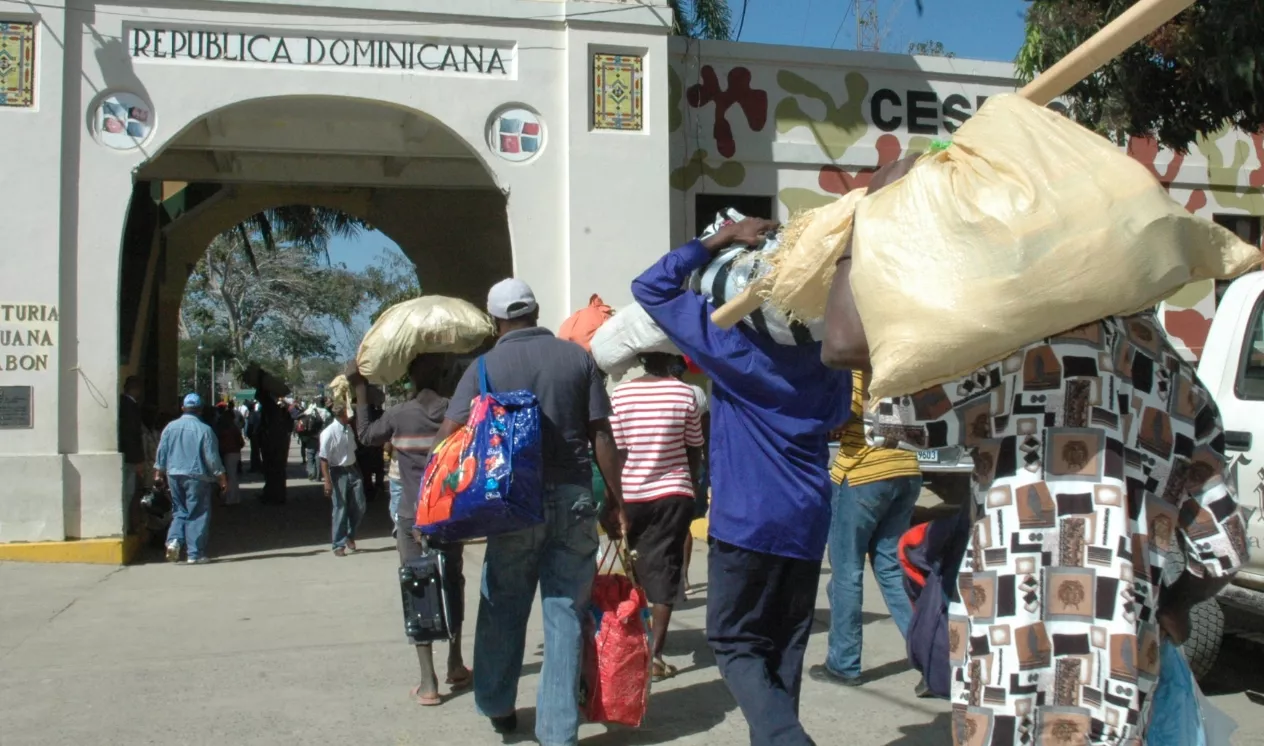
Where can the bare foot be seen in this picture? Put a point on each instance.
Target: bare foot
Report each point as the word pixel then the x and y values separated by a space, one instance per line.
pixel 460 678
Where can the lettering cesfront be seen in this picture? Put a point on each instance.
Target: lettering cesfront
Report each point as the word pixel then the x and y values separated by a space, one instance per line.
pixel 922 113
pixel 26 336
pixel 383 54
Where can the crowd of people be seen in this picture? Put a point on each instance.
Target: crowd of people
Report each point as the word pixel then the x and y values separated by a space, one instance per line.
pixel 1101 512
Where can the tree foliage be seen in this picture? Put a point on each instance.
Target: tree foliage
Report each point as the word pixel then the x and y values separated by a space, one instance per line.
pixel 701 19
pixel 308 226
pixel 1195 76
pixel 929 48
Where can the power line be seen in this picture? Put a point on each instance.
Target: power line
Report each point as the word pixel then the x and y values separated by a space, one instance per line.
pixel 839 30
pixel 741 23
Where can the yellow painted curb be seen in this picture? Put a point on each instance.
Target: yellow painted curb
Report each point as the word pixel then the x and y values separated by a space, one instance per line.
pixel 114 551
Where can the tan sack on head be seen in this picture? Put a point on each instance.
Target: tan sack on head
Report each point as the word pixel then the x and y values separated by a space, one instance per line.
pixel 811 245
pixel 1027 225
pixel 429 324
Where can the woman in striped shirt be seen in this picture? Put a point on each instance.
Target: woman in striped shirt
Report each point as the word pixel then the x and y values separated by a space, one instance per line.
pixel 657 427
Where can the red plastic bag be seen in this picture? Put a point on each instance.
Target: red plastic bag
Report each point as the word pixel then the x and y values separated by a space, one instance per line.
pixel 584 323
pixel 617 652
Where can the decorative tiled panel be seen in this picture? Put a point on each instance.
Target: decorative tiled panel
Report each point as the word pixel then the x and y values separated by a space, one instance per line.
pixel 17 63
pixel 617 92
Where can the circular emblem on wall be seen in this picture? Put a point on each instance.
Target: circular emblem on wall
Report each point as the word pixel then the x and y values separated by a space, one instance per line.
pixel 123 121
pixel 515 134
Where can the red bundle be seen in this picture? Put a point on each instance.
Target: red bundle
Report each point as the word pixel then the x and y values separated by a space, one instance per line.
pixel 616 676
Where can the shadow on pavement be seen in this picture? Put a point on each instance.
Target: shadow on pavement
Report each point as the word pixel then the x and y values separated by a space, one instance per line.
pixel 935 733
pixel 1237 669
pixel 251 530
pixel 673 714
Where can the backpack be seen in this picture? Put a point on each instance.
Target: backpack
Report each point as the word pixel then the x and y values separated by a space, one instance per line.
pixel 931 555
pixel 486 478
pixel 308 424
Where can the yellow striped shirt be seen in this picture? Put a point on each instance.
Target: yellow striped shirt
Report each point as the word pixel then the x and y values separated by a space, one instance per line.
pixel 857 461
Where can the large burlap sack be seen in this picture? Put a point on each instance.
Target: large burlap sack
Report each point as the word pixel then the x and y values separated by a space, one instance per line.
pixel 584 323
pixel 733 269
pixel 429 324
pixel 1027 225
pixel 630 332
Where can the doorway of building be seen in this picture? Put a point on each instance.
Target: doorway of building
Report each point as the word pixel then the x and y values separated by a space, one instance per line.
pixel 258 190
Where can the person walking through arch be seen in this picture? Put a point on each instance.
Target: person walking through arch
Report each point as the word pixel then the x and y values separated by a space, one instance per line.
pixel 188 463
pixel 410 428
pixel 560 555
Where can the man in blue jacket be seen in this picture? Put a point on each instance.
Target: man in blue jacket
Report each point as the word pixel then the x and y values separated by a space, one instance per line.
pixel 772 409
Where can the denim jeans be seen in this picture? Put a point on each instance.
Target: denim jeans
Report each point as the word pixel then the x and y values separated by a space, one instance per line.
pixel 311 458
pixel 560 555
pixel 348 500
pixel 759 616
pixel 868 521
pixel 190 513
pixel 397 491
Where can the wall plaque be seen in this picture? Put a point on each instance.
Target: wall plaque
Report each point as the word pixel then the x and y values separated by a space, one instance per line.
pixel 15 407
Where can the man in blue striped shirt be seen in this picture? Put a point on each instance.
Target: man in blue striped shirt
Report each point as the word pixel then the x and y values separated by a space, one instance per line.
pixel 188 463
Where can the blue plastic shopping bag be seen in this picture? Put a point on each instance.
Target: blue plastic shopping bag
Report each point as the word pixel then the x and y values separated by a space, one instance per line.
pixel 487 478
pixel 1182 716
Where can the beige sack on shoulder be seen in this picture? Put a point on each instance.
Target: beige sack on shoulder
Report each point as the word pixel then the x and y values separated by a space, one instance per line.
pixel 429 324
pixel 1027 225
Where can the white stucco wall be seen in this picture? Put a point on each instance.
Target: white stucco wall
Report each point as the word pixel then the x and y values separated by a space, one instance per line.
pixel 583 199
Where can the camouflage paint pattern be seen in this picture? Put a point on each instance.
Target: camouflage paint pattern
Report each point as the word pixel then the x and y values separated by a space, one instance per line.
pixel 838 116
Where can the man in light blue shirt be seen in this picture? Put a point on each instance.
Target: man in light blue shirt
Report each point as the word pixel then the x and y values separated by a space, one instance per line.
pixel 188 463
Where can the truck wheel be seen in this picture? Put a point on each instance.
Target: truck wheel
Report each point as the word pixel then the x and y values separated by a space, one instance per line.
pixel 1206 631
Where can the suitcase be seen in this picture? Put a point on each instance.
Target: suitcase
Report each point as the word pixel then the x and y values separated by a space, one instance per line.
pixel 423 585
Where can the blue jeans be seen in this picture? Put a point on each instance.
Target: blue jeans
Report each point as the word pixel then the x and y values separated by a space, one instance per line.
pixel 868 521
pixel 190 513
pixel 397 491
pixel 348 500
pixel 561 556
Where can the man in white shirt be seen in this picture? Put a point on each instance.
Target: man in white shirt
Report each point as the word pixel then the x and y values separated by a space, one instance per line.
pixel 342 479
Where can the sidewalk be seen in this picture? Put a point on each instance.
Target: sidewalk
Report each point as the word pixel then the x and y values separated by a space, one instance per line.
pixel 279 642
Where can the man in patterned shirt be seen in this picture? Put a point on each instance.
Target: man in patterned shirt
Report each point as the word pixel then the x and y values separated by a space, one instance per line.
pixel 1101 515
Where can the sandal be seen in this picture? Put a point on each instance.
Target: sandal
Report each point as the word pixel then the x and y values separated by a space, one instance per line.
pixel 660 670
pixel 426 700
pixel 464 679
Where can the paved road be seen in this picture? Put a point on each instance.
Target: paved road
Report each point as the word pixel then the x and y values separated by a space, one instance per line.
pixel 279 642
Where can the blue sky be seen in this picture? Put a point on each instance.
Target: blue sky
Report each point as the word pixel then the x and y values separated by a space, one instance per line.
pixel 980 29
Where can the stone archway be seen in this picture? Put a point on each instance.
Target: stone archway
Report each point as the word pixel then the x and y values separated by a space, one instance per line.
pixel 397 169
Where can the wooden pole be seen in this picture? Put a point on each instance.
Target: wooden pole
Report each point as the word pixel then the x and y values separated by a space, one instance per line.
pixel 1130 27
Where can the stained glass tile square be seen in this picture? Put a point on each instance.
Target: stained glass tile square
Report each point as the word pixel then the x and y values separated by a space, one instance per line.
pixel 17 63
pixel 617 92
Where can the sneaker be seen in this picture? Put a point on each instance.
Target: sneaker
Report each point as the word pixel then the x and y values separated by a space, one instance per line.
pixel 505 724
pixel 340 552
pixel 198 561
pixel 827 675
pixel 351 547
pixel 173 552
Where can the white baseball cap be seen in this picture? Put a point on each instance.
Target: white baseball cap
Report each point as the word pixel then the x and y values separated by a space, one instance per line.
pixel 511 299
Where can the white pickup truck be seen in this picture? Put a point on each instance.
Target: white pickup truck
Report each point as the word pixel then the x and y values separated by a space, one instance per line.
pixel 1232 369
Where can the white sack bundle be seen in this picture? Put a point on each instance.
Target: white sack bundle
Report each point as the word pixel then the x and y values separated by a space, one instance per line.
pixel 629 333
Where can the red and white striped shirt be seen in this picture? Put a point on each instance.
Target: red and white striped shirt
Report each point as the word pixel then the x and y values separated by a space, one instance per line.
pixel 655 420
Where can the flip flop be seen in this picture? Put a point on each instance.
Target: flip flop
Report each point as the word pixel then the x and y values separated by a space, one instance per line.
pixel 426 700
pixel 461 681
pixel 660 670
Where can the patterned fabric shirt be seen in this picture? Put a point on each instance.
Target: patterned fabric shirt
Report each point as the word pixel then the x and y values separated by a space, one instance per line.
pixel 1099 473
pixel 857 461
